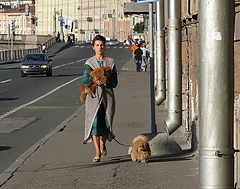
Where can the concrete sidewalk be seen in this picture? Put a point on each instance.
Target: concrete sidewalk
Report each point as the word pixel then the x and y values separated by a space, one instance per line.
pixel 56 48
pixel 61 161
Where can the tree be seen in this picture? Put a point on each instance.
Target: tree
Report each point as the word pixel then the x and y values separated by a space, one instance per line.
pixel 139 27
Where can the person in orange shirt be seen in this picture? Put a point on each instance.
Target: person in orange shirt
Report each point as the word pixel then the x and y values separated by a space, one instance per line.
pixel 133 48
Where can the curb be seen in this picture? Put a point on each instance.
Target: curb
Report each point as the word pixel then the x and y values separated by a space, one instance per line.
pixel 8 173
pixel 10 62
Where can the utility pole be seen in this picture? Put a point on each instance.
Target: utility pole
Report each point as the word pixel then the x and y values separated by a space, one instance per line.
pixel 114 15
pixel 12 29
pixel 54 22
pixel 152 95
pixel 216 94
pixel 61 26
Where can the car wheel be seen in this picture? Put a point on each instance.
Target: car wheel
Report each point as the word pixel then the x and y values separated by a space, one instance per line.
pixel 49 74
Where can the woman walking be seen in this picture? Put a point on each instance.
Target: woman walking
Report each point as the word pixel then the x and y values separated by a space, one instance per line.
pixel 99 110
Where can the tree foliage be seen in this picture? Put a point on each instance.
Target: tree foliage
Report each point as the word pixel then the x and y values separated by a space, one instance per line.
pixel 139 27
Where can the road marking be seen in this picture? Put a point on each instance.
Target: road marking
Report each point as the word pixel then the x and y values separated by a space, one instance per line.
pixel 70 63
pixel 51 107
pixel 37 99
pixel 5 81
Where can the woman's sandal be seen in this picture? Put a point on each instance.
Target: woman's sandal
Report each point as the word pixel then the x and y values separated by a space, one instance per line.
pixel 96 159
pixel 104 153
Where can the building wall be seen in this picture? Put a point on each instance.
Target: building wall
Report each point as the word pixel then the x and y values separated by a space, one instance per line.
pixel 87 17
pixel 23 24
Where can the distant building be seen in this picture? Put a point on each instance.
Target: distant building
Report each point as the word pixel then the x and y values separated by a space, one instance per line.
pixel 4 7
pixel 16 3
pixel 83 18
pixel 22 18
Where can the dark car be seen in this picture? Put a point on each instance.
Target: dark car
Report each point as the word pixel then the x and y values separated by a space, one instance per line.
pixel 36 64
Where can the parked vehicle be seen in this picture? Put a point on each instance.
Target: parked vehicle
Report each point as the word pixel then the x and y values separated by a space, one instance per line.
pixel 36 64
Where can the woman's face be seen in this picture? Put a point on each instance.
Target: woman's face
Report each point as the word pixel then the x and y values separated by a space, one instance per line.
pixel 99 47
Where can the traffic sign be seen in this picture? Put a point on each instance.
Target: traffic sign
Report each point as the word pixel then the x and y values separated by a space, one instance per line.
pixel 147 1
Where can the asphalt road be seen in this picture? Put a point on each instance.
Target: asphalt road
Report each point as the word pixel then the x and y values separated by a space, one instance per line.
pixel 31 107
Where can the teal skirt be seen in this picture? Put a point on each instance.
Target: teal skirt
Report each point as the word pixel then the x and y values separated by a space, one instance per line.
pixel 100 127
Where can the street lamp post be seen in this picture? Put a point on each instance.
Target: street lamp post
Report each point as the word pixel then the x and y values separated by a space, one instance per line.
pixel 54 22
pixel 153 116
pixel 61 26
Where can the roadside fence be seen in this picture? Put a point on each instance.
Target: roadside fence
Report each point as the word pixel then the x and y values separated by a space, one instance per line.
pixel 5 55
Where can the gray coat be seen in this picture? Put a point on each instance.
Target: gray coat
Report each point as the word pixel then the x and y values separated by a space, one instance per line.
pixel 103 94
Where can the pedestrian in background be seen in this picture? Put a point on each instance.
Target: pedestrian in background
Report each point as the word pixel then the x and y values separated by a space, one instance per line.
pixel 58 37
pixel 145 57
pixel 99 110
pixel 44 50
pixel 138 58
pixel 133 48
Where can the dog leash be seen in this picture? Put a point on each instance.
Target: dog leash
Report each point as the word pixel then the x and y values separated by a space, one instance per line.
pixel 121 143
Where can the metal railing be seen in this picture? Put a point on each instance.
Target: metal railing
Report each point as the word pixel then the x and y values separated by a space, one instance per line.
pixel 5 55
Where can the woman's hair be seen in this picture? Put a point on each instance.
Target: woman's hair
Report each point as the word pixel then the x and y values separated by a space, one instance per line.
pixel 100 38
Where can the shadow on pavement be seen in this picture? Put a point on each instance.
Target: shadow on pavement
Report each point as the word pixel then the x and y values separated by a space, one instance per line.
pixel 180 157
pixel 81 166
pixel 114 160
pixel 2 148
pixel 8 99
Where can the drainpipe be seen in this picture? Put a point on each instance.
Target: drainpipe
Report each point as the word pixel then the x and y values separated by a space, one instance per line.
pixel 160 93
pixel 216 94
pixel 174 120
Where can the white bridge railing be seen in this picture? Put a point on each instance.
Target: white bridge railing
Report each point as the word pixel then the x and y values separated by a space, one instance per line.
pixel 6 55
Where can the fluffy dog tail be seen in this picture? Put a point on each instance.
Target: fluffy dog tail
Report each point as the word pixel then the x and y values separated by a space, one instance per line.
pixel 82 95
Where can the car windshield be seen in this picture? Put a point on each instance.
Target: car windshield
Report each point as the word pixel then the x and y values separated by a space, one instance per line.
pixel 36 57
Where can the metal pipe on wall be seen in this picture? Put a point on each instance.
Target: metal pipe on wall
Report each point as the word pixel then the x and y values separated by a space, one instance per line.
pixel 160 93
pixel 174 120
pixel 216 94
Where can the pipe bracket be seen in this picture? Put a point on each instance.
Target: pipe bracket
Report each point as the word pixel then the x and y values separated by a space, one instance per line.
pixel 218 153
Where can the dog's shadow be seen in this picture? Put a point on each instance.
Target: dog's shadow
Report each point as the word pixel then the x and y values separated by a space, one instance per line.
pixel 157 159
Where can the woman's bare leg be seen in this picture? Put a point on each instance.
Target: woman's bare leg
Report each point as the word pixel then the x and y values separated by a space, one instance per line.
pixel 96 141
pixel 103 148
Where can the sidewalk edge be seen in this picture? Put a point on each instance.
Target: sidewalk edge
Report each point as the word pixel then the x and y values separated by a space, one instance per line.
pixel 8 173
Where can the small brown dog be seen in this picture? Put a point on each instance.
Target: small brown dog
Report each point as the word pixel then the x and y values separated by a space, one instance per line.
pixel 140 149
pixel 102 75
